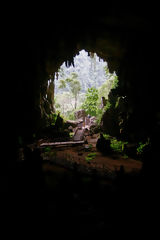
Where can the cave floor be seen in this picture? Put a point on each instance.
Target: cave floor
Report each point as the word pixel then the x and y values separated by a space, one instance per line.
pixel 59 198
pixel 75 157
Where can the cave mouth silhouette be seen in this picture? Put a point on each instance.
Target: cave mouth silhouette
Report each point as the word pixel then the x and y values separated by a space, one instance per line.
pixel 72 80
pixel 113 106
pixel 133 206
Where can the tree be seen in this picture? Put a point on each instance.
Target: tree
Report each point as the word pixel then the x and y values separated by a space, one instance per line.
pixel 73 86
pixel 75 89
pixel 64 102
pixel 90 102
pixel 90 69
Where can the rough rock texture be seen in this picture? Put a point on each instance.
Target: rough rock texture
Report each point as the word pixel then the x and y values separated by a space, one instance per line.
pixel 80 114
pixel 123 36
pixel 74 124
pixel 34 44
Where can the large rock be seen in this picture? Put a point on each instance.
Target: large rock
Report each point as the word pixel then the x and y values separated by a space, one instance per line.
pixel 79 135
pixel 74 124
pixel 80 114
pixel 103 145
pixel 92 121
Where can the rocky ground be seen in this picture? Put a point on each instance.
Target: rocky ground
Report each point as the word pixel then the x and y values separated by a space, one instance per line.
pixel 86 158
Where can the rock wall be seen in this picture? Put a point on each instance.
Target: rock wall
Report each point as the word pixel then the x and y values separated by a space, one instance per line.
pixel 125 38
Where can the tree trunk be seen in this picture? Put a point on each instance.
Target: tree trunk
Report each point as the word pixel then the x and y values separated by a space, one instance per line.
pixel 75 105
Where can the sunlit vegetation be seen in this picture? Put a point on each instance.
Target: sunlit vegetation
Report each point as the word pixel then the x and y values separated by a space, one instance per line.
pixel 83 86
pixel 71 134
pixel 87 85
pixel 90 101
pixel 116 145
pixel 73 85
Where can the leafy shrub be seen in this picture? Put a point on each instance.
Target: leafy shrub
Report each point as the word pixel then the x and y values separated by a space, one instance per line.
pixel 52 119
pixel 70 115
pixel 90 157
pixel 71 134
pixel 118 146
pixel 141 147
pixel 106 136
pixel 90 102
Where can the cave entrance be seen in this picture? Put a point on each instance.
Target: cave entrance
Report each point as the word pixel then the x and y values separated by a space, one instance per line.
pixel 89 116
pixel 83 85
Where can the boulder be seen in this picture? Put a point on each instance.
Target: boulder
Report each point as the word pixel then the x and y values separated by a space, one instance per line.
pixel 73 123
pixel 103 145
pixel 80 114
pixel 92 121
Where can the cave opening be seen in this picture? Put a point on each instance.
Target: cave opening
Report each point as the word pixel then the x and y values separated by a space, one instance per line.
pixel 71 200
pixel 85 84
pixel 80 92
pixel 85 107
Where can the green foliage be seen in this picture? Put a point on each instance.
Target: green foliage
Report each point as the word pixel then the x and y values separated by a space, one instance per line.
pixel 65 101
pixel 110 83
pixel 72 84
pixel 70 115
pixel 115 82
pixel 106 136
pixel 57 105
pixel 103 91
pixel 71 134
pixel 141 147
pixel 90 146
pixel 108 105
pixel 90 157
pixel 52 119
pixel 117 102
pixel 62 84
pixel 106 70
pixel 99 114
pixel 75 89
pixel 90 102
pixel 117 146
pixel 47 149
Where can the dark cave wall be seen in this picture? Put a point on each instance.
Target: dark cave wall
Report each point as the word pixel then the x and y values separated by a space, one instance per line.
pixel 125 41
pixel 35 47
